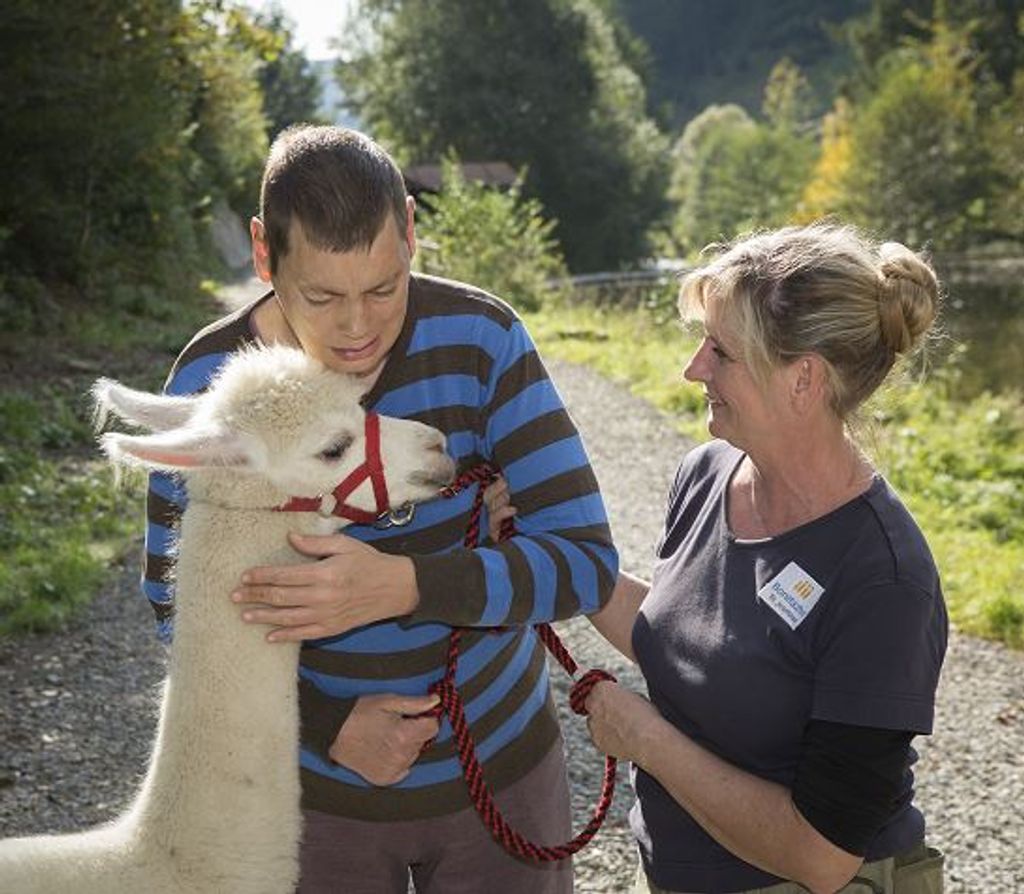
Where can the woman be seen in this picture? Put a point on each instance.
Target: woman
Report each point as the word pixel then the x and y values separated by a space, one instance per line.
pixel 794 629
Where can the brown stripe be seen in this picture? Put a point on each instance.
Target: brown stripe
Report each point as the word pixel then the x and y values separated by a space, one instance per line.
pixel 159 569
pixel 537 433
pixel 526 371
pixel 443 297
pixel 605 581
pixel 437 537
pixel 162 610
pixel 452 588
pixel 161 511
pixel 601 533
pixel 578 482
pixel 466 360
pixel 225 335
pixel 521 579
pixel 389 804
pixel 386 666
pixel 490 720
pixel 450 419
pixel 566 603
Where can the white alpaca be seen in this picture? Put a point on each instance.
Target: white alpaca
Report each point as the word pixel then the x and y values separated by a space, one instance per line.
pixel 218 810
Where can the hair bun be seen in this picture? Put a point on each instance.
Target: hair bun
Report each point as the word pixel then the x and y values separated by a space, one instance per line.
pixel 908 297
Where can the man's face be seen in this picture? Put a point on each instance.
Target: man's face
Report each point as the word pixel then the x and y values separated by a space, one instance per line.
pixel 347 308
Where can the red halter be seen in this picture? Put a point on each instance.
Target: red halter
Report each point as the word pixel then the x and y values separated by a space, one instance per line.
pixel 371 467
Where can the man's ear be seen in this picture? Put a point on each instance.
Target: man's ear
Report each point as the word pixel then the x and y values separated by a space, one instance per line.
pixel 260 249
pixel 410 225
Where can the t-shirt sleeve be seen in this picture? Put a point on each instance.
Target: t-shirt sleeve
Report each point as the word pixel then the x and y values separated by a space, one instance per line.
pixel 879 658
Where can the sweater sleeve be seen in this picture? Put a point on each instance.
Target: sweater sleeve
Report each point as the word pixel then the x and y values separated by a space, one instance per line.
pixel 166 499
pixel 561 561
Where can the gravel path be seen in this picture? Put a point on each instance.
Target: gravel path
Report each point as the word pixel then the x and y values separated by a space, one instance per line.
pixel 77 709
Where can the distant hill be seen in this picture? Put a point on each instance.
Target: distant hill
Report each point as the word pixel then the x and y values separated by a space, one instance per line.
pixel 713 52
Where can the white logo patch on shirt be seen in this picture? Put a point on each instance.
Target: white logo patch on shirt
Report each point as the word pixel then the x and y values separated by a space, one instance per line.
pixel 791 594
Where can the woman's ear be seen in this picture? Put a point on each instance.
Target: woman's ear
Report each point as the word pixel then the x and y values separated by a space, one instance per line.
pixel 808 381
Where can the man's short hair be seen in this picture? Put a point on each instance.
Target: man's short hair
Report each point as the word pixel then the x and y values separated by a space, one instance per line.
pixel 338 183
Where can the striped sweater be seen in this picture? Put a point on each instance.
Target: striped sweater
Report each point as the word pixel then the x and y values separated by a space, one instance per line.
pixel 464 364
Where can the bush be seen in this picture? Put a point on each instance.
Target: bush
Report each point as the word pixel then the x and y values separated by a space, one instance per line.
pixel 498 241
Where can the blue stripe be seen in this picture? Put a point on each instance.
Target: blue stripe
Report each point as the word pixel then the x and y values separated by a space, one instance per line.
pixel 431 394
pixel 169 487
pixel 575 513
pixel 499 587
pixel 159 539
pixel 470 663
pixel 458 329
pixel 545 578
pixel 385 637
pixel 533 401
pixel 442 771
pixel 195 376
pixel 582 571
pixel 157 592
pixel 547 462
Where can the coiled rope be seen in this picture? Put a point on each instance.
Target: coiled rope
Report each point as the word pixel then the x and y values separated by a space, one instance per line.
pixel 451 705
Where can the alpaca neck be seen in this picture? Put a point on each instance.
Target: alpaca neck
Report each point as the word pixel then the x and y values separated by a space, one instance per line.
pixel 229 721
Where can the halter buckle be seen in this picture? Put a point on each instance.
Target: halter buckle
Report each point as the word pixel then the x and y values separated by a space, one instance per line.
pixel 395 518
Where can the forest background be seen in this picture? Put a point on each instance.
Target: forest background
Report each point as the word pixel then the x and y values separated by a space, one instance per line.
pixel 642 130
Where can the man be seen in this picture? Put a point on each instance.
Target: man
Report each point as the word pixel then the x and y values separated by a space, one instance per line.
pixel 335 238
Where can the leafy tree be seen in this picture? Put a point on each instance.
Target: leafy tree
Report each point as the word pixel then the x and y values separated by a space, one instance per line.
pixel 498 241
pixel 918 168
pixel 734 174
pixel 228 130
pixel 722 52
pixel 824 193
pixel 540 84
pixel 94 132
pixel 989 28
pixel 290 87
pixel 1004 133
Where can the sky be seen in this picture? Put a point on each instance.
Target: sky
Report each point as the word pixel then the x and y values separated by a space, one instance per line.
pixel 316 22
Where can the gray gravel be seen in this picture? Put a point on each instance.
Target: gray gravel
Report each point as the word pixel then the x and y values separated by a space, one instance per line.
pixel 78 708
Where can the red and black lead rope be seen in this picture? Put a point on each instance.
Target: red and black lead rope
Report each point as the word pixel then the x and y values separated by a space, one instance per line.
pixel 451 705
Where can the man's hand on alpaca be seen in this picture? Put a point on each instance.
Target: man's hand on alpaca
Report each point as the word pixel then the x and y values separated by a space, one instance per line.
pixel 353 584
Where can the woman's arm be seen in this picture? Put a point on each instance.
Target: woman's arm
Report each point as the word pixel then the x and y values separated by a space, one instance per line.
pixel 615 619
pixel 750 816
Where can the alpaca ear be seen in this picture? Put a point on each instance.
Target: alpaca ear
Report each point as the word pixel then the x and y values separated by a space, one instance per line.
pixel 156 412
pixel 178 450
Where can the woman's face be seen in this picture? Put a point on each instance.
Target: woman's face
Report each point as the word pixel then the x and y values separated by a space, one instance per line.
pixel 740 411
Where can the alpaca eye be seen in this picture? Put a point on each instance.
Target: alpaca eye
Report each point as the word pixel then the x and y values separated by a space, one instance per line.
pixel 336 450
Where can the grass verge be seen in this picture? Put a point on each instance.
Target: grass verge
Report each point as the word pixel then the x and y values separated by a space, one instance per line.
pixel 959 465
pixel 62 518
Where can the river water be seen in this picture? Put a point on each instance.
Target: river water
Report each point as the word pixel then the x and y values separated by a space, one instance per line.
pixel 983 324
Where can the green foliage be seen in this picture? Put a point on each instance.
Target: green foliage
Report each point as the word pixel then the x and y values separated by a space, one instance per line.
pixel 722 52
pixel 94 133
pixel 124 122
pixel 918 168
pixel 289 86
pixel 61 521
pixel 497 241
pixel 540 84
pixel 733 174
pixel 228 132
pixel 958 465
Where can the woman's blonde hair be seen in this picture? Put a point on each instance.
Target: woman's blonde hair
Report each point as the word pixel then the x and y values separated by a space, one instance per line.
pixel 822 289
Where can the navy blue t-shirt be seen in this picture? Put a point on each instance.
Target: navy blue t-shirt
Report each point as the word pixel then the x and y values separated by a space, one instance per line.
pixel 742 642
